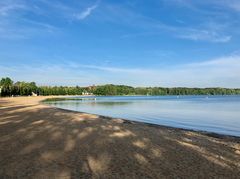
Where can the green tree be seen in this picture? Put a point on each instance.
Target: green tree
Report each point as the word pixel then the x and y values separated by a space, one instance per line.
pixel 6 85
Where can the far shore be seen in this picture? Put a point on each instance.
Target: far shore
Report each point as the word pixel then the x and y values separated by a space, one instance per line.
pixel 39 141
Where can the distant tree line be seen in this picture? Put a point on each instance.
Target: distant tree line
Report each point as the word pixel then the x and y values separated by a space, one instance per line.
pixel 9 88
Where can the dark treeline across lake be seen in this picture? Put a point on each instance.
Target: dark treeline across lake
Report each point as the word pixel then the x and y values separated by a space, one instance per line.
pixel 9 88
pixel 219 114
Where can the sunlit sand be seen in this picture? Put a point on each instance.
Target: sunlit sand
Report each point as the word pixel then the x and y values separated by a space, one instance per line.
pixel 38 141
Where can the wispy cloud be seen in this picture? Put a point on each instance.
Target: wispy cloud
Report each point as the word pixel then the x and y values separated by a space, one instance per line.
pixel 87 12
pixel 193 4
pixel 14 24
pixel 204 35
pixel 107 68
pixel 29 29
pixel 232 4
pixel 7 7
pixel 115 13
pixel 213 30
pixel 219 72
pixel 17 22
pixel 195 34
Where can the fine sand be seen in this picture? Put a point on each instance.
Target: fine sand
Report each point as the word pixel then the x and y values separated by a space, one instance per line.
pixel 38 141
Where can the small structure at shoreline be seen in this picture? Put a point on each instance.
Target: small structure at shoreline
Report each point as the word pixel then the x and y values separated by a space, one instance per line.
pixel 34 94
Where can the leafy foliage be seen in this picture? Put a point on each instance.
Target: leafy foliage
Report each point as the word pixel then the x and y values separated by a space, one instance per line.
pixel 9 88
pixel 6 85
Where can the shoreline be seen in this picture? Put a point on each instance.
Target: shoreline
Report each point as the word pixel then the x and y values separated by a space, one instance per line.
pixel 207 133
pixel 41 141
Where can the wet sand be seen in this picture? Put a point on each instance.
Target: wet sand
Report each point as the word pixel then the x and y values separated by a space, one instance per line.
pixel 38 141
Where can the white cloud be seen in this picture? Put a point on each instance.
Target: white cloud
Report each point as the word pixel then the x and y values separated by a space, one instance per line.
pixel 233 4
pixel 107 68
pixel 220 72
pixel 145 26
pixel 207 29
pixel 16 25
pixel 205 35
pixel 5 8
pixel 195 34
pixel 87 12
pixel 193 4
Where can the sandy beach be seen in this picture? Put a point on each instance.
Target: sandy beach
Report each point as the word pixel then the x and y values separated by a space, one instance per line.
pixel 38 141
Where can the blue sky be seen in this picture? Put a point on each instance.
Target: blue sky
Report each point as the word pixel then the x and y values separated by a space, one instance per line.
pixel 193 43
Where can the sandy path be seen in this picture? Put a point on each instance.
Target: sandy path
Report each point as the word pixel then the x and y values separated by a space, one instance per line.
pixel 38 141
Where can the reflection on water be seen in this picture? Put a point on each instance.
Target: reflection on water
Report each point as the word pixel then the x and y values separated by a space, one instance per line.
pixel 109 103
pixel 219 114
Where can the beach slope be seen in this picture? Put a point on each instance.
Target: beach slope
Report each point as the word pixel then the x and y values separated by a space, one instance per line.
pixel 38 141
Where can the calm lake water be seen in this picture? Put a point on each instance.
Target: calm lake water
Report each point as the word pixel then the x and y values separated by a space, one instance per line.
pixel 220 114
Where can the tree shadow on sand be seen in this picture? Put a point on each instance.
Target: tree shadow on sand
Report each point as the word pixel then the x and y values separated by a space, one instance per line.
pixel 44 142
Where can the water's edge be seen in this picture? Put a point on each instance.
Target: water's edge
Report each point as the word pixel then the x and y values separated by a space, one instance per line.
pixel 127 121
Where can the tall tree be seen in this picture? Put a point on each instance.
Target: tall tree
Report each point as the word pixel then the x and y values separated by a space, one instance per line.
pixel 6 85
